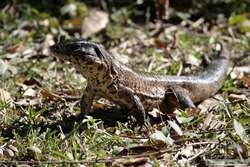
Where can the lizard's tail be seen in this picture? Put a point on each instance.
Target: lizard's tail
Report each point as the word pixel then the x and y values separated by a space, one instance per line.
pixel 210 81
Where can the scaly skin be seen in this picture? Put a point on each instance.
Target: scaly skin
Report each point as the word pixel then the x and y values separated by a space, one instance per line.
pixel 110 79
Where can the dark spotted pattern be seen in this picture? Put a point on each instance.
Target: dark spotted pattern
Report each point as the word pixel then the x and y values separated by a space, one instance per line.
pixel 110 79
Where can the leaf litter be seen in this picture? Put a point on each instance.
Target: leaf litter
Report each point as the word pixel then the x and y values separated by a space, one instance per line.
pixel 217 131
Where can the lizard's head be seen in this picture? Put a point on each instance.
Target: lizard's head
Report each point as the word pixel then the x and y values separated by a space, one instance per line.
pixel 88 58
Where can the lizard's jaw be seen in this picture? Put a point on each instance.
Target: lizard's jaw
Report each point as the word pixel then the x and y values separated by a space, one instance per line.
pixel 57 51
pixel 60 56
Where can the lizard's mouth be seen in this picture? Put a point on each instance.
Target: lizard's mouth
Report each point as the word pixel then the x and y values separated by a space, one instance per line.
pixel 57 51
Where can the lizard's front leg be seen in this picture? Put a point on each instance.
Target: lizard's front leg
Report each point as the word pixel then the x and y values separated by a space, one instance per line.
pixel 133 103
pixel 87 100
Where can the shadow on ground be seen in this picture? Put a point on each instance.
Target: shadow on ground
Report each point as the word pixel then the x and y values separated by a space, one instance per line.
pixel 67 124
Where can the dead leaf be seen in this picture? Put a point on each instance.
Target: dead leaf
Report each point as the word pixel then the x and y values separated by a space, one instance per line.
pixel 207 121
pixel 135 160
pixel 137 150
pixel 34 149
pixel 246 81
pixel 155 113
pixel 6 67
pixel 12 55
pixel 72 23
pixel 34 152
pixel 187 151
pixel 129 162
pixel 28 52
pixel 1 153
pixel 160 43
pixel 9 152
pixel 238 97
pixel 193 112
pixel 13 148
pixel 30 92
pixel 32 81
pixel 216 124
pixel 47 42
pixel 22 102
pixel 94 22
pixel 240 131
pixel 158 136
pixel 50 95
pixel 98 106
pixel 207 105
pixel 5 96
pixel 45 23
pixel 191 59
pixel 14 48
pixel 182 120
pixel 176 127
pixel 239 72
pixel 28 102
pixel 23 86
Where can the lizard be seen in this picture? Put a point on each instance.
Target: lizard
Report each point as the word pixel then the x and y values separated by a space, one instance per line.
pixel 138 92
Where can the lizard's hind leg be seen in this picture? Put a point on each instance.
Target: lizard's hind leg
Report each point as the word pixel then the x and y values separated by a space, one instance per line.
pixel 176 98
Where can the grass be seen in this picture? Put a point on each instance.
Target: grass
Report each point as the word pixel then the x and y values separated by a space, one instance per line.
pixel 39 122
